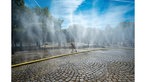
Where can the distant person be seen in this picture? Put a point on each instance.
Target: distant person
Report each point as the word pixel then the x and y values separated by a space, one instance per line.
pixel 73 47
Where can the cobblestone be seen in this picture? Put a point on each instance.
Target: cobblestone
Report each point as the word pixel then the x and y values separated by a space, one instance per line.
pixel 110 66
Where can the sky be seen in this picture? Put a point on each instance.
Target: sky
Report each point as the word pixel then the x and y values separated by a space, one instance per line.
pixel 88 13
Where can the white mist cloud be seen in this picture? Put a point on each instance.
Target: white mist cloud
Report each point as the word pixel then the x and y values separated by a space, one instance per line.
pixel 113 16
pixel 89 18
pixel 64 7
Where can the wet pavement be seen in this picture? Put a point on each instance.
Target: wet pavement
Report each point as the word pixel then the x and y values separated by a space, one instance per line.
pixel 113 65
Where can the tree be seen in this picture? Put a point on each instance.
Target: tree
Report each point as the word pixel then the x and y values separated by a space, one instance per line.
pixel 17 8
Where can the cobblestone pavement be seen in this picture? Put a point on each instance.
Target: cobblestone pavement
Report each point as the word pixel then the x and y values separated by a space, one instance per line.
pixel 97 66
pixel 24 56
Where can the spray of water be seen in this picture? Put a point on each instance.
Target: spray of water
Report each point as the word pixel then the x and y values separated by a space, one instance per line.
pixel 43 29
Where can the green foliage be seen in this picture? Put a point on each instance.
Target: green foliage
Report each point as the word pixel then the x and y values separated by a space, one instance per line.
pixel 19 3
pixel 32 32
